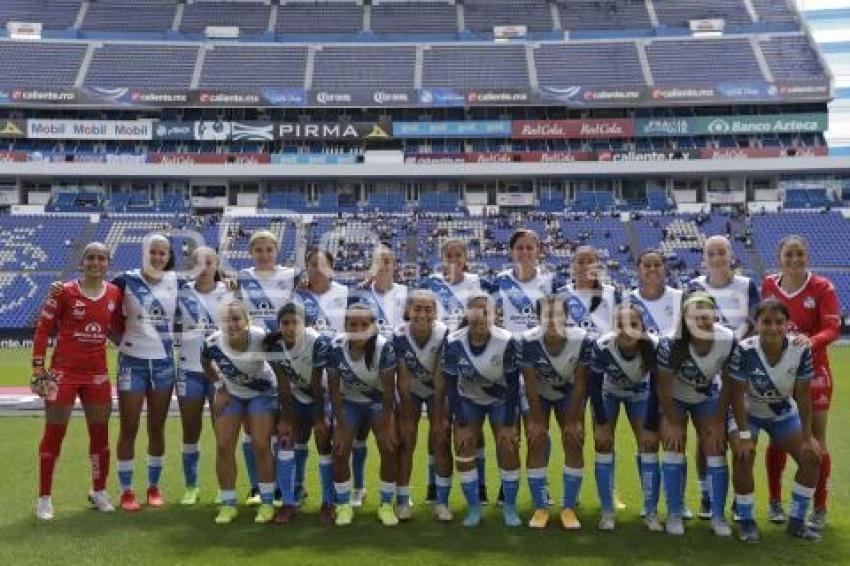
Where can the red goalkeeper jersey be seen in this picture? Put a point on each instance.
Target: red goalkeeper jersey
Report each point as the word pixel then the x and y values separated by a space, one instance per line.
pixel 83 325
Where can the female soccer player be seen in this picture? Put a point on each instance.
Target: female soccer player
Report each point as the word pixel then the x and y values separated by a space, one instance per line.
pixel 481 374
pixel 265 288
pixel 736 298
pixel 146 371
pixel 658 303
pixel 693 367
pixel 83 314
pixel 813 305
pixel 418 346
pixel 554 359
pixel 361 379
pixel 298 357
pixel 246 389
pixel 590 304
pixel 324 299
pixel 197 312
pixel 770 390
pixel 622 368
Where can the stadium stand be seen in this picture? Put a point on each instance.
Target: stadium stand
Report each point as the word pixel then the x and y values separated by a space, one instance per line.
pixel 252 18
pixel 698 61
pixel 475 67
pixel 53 14
pixel 319 18
pixel 244 67
pixel 390 67
pixel 484 15
pixel 52 65
pixel 135 65
pixel 414 18
pixel 112 15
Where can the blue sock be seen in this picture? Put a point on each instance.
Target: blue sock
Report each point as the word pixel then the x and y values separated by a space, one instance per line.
pixel 266 493
pixel 402 495
pixel 469 483
pixel 745 505
pixel 359 451
pixel 326 476
pixel 703 483
pixel 250 462
pixel 605 481
pixel 537 487
pixel 718 479
pixel 444 487
pixel 801 498
pixel 684 486
pixel 301 453
pixel 572 486
pixel 481 466
pixel 154 470
pixel 286 475
pixel 387 492
pixel 343 492
pixel 125 474
pixel 672 472
pixel 432 470
pixel 191 455
pixel 510 486
pixel 228 497
pixel 650 481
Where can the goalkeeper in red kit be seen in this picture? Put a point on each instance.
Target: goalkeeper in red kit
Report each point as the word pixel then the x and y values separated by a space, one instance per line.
pixel 83 315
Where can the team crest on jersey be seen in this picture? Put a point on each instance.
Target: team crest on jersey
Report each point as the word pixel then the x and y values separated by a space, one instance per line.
pixel 809 302
pixel 111 306
pixel 93 328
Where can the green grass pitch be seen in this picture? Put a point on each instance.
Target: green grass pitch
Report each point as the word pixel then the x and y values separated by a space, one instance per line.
pixel 176 535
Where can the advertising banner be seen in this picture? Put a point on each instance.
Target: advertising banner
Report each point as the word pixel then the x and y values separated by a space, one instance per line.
pixel 174 131
pixel 13 128
pixel 90 129
pixel 468 129
pixel 573 129
pixel 732 125
pixel 332 130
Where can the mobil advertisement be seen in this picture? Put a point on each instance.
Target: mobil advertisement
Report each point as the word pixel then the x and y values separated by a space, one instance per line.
pixel 90 129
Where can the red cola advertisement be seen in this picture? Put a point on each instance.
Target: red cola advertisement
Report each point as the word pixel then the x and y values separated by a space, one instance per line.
pixel 573 129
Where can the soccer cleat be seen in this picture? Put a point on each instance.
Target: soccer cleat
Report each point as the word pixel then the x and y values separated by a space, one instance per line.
pixel 154 497
pixel 101 502
pixel 386 515
pixel 500 498
pixel 44 508
pixel 344 515
pixel 540 519
pixel 473 517
pixel 748 531
pixel 358 496
pixel 653 523
pixel 226 515
pixel 443 514
pixel 704 509
pixel 735 517
pixel 687 514
pixel 253 498
pixel 482 494
pixel 403 512
pixel 775 512
pixel 720 527
pixel 675 525
pixel 799 529
pixel 511 516
pixel 618 503
pixel 327 514
pixel 278 499
pixel 265 513
pixel 607 522
pixel 190 496
pixel 569 520
pixel 300 495
pixel 285 514
pixel 817 520
pixel 129 502
pixel 431 496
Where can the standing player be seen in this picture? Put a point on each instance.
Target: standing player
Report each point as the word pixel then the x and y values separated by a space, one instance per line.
pixel 83 314
pixel 736 298
pixel 693 368
pixel 813 305
pixel 361 379
pixel 246 390
pixel 418 345
pixel 481 374
pixel 553 359
pixel 298 356
pixel 146 371
pixel 265 288
pixel 621 373
pixel 197 316
pixel 771 377
pixel 590 304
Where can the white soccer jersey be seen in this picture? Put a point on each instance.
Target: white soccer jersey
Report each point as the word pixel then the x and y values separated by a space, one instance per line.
pixel 770 388
pixel 326 312
pixel 246 374
pixel 577 304
pixel 698 378
pixel 421 361
pixel 149 310
pixel 451 298
pixel 518 299
pixel 621 376
pixel 310 352
pixel 199 316
pixel 265 294
pixel 735 301
pixel 661 316
pixel 388 307
pixel 481 378
pixel 358 383
pixel 555 371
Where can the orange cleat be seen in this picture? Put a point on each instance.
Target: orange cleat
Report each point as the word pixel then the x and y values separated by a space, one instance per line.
pixel 155 498
pixel 128 501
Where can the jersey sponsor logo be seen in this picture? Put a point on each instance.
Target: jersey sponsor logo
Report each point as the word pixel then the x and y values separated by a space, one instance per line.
pixel 809 302
pixel 79 304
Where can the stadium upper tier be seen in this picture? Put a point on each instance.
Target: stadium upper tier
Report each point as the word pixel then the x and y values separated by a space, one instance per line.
pixel 33 255
pixel 436 18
